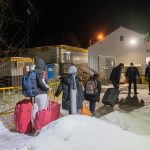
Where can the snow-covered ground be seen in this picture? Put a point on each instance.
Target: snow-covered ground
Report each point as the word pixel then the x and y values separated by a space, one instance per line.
pixel 75 132
pixel 124 129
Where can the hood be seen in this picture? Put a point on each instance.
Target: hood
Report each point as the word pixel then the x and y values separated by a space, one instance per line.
pixel 72 70
pixel 40 64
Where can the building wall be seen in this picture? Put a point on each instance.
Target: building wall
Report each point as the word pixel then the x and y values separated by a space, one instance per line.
pixel 49 54
pixel 73 56
pixel 122 51
pixel 58 54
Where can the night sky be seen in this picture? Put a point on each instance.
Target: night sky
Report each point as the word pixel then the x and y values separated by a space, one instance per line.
pixel 82 20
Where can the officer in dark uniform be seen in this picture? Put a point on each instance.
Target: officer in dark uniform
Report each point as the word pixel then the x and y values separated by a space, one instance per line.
pixel 132 75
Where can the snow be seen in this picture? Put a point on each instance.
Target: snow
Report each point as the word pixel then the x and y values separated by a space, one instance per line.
pixel 117 130
pixel 132 122
pixel 75 132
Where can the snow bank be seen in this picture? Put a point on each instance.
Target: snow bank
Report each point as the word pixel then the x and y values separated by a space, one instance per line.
pixel 129 122
pixel 10 140
pixel 77 132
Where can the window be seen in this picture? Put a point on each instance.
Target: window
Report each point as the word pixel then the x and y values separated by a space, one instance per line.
pixel 121 38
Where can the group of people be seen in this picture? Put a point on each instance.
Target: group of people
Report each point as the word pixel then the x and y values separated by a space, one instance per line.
pixel 132 76
pixel 74 93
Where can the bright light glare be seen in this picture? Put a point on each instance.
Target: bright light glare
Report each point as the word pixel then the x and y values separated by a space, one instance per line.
pixel 100 36
pixel 133 41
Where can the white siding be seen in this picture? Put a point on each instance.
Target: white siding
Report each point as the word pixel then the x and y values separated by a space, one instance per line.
pixel 123 51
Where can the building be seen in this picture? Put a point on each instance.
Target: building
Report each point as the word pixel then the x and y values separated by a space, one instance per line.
pixel 12 69
pixel 122 45
pixel 61 56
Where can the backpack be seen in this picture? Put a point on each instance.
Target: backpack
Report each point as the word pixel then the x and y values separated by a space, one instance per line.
pixel 29 84
pixel 91 87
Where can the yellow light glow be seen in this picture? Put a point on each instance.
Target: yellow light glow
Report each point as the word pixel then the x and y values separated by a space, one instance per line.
pixel 100 36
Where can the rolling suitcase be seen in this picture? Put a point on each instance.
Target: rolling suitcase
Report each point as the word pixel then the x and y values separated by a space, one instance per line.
pixel 42 118
pixel 110 97
pixel 22 116
pixel 55 108
pixel 45 116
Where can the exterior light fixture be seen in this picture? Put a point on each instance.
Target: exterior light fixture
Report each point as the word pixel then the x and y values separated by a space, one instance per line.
pixel 133 41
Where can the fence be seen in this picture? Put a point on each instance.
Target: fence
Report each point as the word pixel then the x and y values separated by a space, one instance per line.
pixel 9 96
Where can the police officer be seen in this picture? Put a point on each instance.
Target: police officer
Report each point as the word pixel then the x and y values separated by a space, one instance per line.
pixel 147 74
pixel 132 75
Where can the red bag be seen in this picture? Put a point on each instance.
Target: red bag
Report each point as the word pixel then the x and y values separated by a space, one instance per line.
pixel 22 116
pixel 42 118
pixel 55 108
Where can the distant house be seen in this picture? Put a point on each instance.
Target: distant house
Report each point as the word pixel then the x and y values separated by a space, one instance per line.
pixel 62 56
pixel 122 45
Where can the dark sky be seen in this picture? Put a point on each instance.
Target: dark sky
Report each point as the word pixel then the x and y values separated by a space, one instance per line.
pixel 85 18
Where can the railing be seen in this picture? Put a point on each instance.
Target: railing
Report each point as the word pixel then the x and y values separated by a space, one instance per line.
pixel 9 96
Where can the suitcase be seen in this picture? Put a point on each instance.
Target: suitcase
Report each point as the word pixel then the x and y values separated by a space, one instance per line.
pixel 42 118
pixel 55 108
pixel 45 116
pixel 22 116
pixel 110 97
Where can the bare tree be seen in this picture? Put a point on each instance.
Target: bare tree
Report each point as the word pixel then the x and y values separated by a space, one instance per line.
pixel 16 19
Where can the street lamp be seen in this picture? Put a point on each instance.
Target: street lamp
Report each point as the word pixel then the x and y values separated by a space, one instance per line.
pixel 99 37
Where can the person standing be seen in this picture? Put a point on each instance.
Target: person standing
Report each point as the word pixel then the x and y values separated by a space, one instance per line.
pixel 132 75
pixel 92 90
pixel 73 95
pixel 116 74
pixel 41 98
pixel 147 75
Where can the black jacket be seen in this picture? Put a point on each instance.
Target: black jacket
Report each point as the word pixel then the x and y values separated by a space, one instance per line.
pixel 132 73
pixel 65 87
pixel 93 97
pixel 147 73
pixel 40 69
pixel 115 75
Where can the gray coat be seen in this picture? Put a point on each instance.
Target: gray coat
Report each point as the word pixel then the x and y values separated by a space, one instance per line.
pixel 65 87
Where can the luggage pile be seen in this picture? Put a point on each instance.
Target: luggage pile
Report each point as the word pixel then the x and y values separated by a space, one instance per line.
pixel 23 113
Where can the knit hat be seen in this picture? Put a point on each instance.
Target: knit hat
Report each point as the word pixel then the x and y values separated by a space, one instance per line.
pixel 72 70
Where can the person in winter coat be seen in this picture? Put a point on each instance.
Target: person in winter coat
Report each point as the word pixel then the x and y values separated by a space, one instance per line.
pixel 116 74
pixel 132 75
pixel 41 98
pixel 72 91
pixel 147 75
pixel 92 90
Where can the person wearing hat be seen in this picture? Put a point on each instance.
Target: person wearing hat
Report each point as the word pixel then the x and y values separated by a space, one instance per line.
pixel 132 75
pixel 147 75
pixel 73 94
